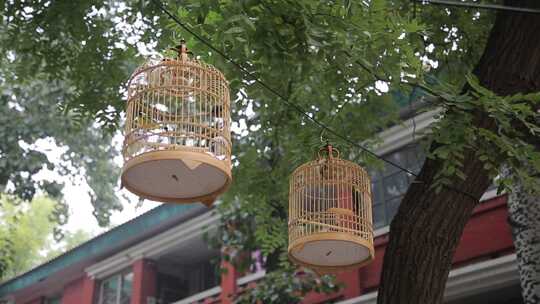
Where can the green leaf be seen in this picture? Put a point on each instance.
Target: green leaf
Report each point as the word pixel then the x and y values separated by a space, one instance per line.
pixel 234 30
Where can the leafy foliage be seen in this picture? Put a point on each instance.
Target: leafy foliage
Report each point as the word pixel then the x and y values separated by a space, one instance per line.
pixel 350 64
pixel 517 120
pixel 30 230
pixel 62 69
pixel 80 43
pixel 28 115
pixel 69 241
pixel 288 286
pixel 62 65
pixel 334 59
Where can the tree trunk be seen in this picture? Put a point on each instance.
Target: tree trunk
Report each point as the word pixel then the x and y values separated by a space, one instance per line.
pixel 524 218
pixel 428 226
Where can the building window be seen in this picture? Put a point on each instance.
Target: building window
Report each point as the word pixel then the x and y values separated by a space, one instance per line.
pixel 181 281
pixel 116 289
pixel 53 300
pixel 389 183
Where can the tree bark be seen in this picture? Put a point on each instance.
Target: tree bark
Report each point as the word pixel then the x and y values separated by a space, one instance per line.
pixel 427 228
pixel 524 218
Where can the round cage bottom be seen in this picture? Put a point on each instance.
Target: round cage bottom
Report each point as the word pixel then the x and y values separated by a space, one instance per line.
pixel 331 252
pixel 176 176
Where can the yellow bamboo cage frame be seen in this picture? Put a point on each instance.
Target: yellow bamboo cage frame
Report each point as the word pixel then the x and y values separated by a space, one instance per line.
pixel 330 215
pixel 177 145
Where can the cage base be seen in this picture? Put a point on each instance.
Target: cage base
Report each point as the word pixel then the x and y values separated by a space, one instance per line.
pixel 176 176
pixel 331 252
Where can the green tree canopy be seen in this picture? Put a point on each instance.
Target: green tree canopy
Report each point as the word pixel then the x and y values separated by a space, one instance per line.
pixel 348 64
pixel 61 77
pixel 30 230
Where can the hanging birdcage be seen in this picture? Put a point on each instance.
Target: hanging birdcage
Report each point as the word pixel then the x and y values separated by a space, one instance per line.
pixel 177 145
pixel 330 216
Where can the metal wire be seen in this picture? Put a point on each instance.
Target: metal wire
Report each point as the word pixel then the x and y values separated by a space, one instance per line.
pixel 496 7
pixel 297 108
pixel 275 92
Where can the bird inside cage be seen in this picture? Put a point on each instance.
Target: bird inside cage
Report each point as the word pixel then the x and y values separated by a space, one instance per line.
pixel 342 200
pixel 175 111
pixel 343 215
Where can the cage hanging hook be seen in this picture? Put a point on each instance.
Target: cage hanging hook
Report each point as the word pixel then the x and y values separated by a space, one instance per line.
pixel 329 150
pixel 181 50
pixel 322 138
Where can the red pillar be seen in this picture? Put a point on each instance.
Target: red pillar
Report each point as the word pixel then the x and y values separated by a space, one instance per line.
pixel 73 292
pixel 351 279
pixel 228 282
pixel 88 290
pixel 36 301
pixel 80 291
pixel 144 281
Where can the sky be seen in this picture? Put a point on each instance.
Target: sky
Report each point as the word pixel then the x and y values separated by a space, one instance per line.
pixel 76 194
pixel 76 191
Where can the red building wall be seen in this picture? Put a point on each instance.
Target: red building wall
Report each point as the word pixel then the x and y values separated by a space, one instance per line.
pixel 144 281
pixel 486 236
pixel 36 301
pixel 88 291
pixel 73 292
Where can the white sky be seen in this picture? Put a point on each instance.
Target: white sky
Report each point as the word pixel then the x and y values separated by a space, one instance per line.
pixel 76 194
pixel 76 191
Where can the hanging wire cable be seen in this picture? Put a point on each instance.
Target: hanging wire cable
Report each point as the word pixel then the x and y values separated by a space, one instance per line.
pixel 293 105
pixel 338 108
pixel 275 92
pixel 496 7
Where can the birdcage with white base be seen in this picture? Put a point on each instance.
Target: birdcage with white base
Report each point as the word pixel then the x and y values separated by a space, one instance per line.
pixel 330 216
pixel 177 145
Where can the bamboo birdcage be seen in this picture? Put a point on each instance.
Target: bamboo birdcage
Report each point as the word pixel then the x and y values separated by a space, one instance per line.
pixel 330 216
pixel 177 145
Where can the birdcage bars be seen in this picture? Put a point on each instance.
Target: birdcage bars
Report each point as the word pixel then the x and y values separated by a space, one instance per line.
pixel 330 216
pixel 177 145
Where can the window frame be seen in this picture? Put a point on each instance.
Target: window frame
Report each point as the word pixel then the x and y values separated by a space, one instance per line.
pixel 400 136
pixel 120 279
pixel 387 173
pixel 57 298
